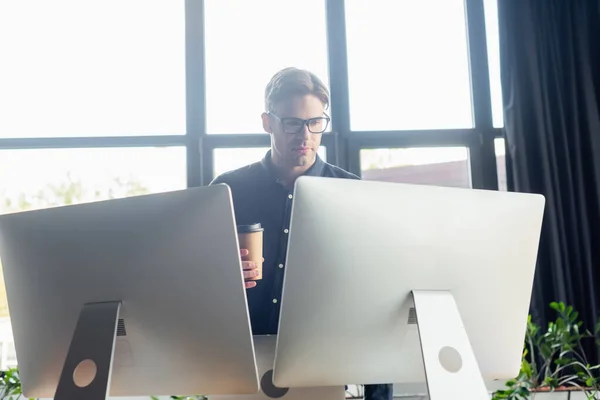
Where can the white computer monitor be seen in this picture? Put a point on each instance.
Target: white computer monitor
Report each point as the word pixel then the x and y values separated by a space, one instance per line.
pixel 362 253
pixel 168 264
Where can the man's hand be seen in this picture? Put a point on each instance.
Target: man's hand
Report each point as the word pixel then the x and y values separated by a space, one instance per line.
pixel 249 268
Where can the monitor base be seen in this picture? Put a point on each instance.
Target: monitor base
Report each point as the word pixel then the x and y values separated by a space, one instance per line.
pixel 88 365
pixel 451 369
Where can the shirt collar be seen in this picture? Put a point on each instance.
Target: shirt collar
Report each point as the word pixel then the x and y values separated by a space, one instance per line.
pixel 315 170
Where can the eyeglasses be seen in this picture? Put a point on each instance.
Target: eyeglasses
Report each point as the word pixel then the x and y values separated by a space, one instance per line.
pixel 295 125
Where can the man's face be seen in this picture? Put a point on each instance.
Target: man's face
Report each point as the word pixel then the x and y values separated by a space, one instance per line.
pixel 293 144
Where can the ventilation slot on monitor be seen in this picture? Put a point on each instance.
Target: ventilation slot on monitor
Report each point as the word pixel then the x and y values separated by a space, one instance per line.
pixel 121 331
pixel 412 316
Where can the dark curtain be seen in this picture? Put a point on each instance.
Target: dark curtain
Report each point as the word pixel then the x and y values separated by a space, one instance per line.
pixel 550 68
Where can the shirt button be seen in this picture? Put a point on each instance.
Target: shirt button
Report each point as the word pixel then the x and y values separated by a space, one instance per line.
pixel 274 301
pixel 290 196
pixel 280 265
pixel 286 231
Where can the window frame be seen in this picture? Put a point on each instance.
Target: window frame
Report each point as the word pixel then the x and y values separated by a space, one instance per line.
pixel 343 144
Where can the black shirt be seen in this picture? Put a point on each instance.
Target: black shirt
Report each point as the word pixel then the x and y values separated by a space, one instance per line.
pixel 258 196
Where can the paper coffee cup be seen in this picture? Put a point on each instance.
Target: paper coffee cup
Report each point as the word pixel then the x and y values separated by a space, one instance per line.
pixel 250 238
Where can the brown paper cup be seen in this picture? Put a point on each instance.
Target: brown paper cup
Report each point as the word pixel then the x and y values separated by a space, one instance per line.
pixel 251 239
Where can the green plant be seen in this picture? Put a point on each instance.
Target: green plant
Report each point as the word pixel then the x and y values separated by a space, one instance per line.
pixel 10 384
pixel 555 359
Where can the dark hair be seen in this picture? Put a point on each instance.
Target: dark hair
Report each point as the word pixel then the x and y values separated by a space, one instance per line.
pixel 290 82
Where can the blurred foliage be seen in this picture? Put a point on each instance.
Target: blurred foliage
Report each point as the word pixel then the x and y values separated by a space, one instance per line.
pixel 72 189
pixel 554 359
pixel 10 384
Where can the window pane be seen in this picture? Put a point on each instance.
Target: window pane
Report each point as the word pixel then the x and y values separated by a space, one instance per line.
pixel 440 166
pixel 81 68
pixel 408 66
pixel 501 163
pixel 246 43
pixel 32 179
pixel 493 48
pixel 7 347
pixel 228 159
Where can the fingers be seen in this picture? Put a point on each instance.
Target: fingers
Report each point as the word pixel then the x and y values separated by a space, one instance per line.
pixel 250 274
pixel 248 265
pixel 250 270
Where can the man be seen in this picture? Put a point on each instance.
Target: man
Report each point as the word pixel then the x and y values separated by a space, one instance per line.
pixel 295 117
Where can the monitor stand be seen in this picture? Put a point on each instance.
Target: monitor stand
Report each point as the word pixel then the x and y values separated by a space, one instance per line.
pixel 451 370
pixel 87 368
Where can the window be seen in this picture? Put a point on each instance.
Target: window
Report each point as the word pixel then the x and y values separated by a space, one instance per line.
pixel 78 68
pixel 440 166
pixel 249 41
pixel 8 358
pixel 408 66
pixel 228 159
pixel 43 178
pixel 500 148
pixel 31 179
pixel 8 354
pixel 493 49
